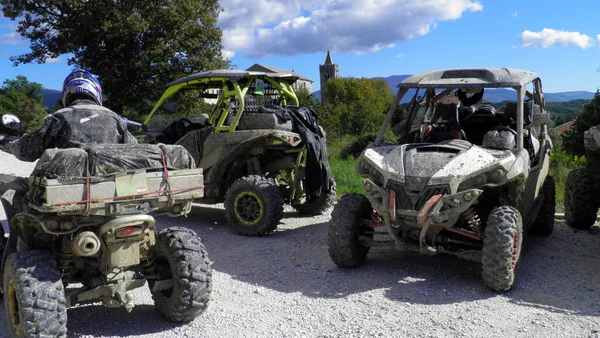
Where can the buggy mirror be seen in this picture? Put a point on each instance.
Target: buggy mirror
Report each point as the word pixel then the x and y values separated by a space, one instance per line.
pixel 541 118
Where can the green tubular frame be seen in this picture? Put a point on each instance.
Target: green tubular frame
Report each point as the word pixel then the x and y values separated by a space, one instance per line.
pixel 239 91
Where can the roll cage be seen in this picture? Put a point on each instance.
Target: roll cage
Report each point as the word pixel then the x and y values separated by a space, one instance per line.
pixel 447 81
pixel 230 88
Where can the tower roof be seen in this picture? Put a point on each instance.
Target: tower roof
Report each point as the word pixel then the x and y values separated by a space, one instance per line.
pixel 328 59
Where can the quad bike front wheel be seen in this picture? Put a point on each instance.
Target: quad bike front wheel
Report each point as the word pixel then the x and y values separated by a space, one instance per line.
pixel 544 222
pixel 180 259
pixel 501 247
pixel 348 237
pixel 253 206
pixel 34 296
pixel 581 206
pixel 320 204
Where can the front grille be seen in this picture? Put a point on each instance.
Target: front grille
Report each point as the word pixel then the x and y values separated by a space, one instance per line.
pixel 429 192
pixel 415 200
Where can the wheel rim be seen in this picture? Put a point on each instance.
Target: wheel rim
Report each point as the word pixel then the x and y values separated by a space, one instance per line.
pixel 165 272
pixel 13 307
pixel 248 208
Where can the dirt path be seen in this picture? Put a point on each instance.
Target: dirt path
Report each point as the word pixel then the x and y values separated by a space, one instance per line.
pixel 285 285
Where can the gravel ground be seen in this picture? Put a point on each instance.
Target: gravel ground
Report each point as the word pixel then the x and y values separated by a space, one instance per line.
pixel 285 285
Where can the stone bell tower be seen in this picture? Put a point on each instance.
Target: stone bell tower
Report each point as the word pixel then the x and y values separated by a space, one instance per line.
pixel 328 71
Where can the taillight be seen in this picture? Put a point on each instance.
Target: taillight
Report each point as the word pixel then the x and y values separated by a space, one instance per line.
pixel 52 225
pixel 128 232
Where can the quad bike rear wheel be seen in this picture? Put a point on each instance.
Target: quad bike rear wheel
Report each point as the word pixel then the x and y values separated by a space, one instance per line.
pixel 253 206
pixel 544 223
pixel 180 256
pixel 581 203
pixel 501 247
pixel 348 237
pixel 34 296
pixel 320 204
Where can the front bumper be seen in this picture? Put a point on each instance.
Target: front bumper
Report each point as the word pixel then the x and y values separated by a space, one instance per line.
pixel 443 209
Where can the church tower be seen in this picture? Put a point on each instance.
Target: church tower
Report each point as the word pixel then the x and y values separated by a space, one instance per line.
pixel 328 71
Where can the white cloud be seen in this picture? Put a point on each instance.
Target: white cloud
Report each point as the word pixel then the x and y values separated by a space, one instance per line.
pixel 513 14
pixel 598 37
pixel 53 60
pixel 264 28
pixel 11 39
pixel 550 37
pixel 400 55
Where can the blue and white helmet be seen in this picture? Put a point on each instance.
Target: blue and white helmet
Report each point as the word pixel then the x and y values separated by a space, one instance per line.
pixel 81 84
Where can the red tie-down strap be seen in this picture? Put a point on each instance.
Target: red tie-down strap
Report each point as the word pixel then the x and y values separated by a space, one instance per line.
pixel 166 177
pixel 88 187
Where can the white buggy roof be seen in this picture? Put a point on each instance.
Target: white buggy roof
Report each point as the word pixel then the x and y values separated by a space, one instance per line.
pixel 470 78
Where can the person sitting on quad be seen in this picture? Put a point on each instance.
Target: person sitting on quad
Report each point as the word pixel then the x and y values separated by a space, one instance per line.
pixel 83 120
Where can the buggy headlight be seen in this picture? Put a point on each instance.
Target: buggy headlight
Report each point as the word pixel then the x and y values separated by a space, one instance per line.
pixel 366 169
pixel 490 177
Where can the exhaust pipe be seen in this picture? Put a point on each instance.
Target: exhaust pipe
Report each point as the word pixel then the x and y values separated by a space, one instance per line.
pixel 85 244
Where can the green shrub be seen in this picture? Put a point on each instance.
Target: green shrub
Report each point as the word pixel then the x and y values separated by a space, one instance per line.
pixel 561 164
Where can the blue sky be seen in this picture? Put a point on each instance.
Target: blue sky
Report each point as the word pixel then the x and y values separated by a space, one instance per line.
pixel 559 41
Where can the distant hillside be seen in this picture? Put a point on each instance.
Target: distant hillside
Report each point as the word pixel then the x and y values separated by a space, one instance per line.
pixel 499 95
pixel 51 97
pixel 491 95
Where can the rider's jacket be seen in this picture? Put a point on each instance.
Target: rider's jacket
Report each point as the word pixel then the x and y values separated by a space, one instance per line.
pixel 83 122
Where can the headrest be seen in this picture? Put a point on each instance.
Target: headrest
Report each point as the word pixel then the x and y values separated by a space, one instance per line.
pixel 445 112
pixel 510 110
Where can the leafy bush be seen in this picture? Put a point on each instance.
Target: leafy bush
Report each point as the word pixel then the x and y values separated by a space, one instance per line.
pixel 561 164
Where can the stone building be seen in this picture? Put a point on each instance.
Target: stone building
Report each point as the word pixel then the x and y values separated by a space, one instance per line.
pixel 302 82
pixel 327 71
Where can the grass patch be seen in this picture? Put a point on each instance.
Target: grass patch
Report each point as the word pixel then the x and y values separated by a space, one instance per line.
pixel 347 180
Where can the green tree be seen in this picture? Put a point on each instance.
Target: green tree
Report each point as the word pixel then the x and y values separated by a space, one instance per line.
pixel 23 99
pixel 355 106
pixel 306 99
pixel 134 46
pixel 587 118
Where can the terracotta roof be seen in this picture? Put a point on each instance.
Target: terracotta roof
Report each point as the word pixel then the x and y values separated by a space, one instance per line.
pixel 565 127
pixel 263 68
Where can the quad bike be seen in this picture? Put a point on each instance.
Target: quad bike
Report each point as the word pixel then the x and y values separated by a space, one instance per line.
pixel 85 233
pixel 465 179
pixel 256 151
pixel 581 197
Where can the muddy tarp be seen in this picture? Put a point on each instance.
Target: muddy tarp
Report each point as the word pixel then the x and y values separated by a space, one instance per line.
pixel 306 124
pixel 107 159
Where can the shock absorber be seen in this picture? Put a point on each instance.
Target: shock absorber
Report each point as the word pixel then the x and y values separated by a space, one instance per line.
pixel 472 219
pixel 146 258
pixel 66 262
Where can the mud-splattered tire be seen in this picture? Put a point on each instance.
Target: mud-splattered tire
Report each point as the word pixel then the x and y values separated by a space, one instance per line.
pixel 253 206
pixel 544 223
pixel 34 296
pixel 348 237
pixel 501 247
pixel 180 255
pixel 581 202
pixel 320 204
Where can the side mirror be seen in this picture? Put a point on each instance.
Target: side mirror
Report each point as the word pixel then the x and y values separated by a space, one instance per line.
pixel 11 122
pixel 542 118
